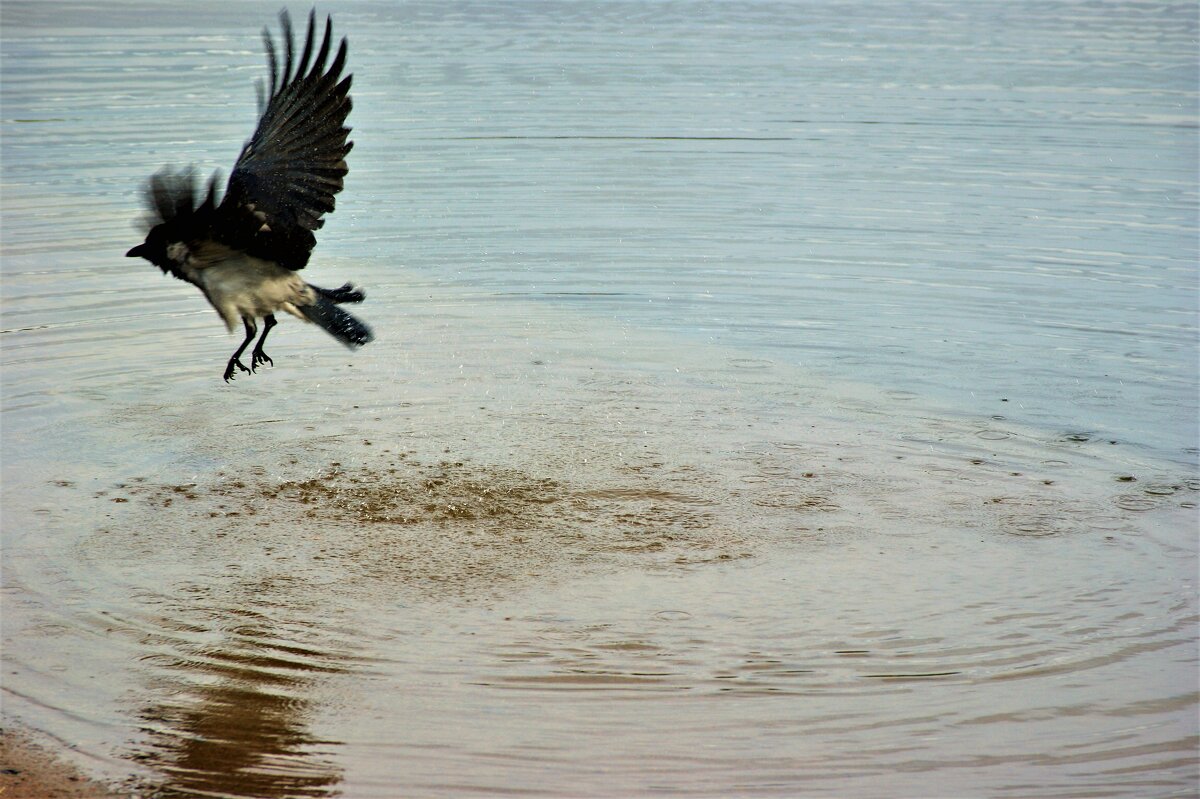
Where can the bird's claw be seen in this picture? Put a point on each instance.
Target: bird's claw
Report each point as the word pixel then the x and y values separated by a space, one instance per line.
pixel 229 370
pixel 258 357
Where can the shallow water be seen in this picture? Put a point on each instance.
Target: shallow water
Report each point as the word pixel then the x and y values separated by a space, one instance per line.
pixel 767 399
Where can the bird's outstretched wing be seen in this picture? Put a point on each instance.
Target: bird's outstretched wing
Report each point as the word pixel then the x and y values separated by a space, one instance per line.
pixel 288 173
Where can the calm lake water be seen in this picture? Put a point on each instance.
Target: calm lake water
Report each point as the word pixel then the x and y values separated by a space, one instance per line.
pixel 768 399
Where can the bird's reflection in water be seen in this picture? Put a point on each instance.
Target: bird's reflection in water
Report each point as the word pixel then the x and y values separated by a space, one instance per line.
pixel 232 720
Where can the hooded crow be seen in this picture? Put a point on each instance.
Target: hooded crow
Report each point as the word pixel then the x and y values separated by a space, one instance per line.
pixel 244 253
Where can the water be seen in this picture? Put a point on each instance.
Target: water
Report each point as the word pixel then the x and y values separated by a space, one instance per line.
pixel 767 399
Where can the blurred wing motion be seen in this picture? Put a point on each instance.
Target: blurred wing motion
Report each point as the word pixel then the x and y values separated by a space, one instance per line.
pixel 288 173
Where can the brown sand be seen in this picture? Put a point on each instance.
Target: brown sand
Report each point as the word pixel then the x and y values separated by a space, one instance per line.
pixel 29 770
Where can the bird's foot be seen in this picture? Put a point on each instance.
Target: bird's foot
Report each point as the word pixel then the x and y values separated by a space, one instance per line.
pixel 257 358
pixel 229 370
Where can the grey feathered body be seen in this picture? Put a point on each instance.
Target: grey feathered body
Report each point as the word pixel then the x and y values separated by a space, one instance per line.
pixel 238 285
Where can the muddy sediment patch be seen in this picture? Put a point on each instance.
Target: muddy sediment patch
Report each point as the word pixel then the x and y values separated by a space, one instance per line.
pixel 401 521
pixel 436 524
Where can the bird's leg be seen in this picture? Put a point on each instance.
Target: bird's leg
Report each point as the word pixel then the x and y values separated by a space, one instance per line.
pixel 251 329
pixel 258 356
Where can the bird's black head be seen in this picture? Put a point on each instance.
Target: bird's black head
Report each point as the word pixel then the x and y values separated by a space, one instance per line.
pixel 177 215
pixel 154 249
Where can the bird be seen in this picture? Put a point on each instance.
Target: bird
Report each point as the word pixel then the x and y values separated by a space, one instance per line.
pixel 244 252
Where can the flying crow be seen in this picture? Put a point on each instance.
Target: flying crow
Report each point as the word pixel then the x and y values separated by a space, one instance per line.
pixel 245 252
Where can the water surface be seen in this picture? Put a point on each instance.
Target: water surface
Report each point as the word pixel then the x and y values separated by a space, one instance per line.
pixel 767 399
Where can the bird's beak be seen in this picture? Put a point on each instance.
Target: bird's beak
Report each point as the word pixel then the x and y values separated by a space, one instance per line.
pixel 137 252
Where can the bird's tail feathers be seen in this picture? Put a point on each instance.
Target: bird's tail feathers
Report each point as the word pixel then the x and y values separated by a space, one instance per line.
pixel 339 324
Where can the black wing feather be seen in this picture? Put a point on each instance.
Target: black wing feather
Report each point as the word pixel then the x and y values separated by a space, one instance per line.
pixel 286 177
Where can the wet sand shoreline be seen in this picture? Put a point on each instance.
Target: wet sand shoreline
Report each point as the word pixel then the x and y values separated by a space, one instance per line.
pixel 31 767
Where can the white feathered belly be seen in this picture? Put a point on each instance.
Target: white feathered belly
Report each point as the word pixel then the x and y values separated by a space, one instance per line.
pixel 249 286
